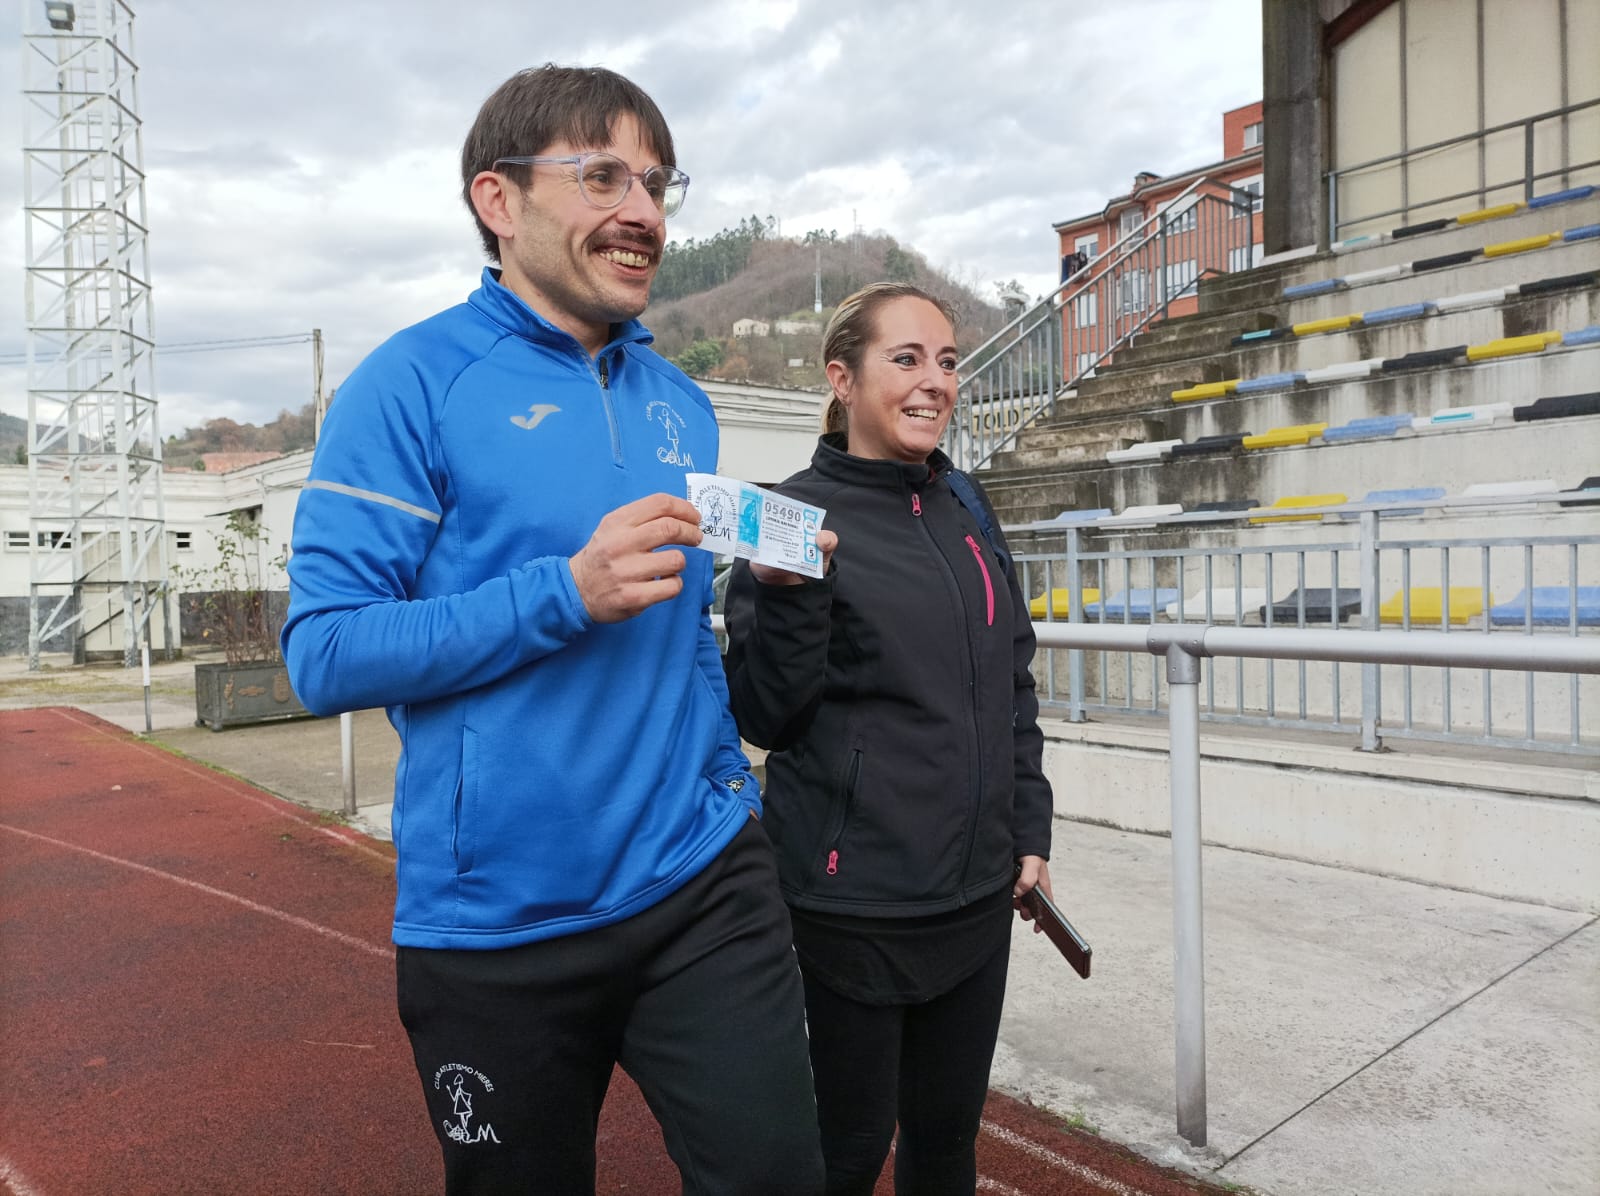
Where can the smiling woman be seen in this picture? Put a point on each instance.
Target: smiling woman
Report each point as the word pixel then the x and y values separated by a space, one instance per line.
pixel 904 791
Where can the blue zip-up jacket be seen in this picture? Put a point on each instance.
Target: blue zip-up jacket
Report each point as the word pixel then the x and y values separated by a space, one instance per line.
pixel 556 775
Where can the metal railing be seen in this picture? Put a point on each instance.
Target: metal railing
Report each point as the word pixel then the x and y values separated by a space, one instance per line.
pixel 1402 161
pixel 1016 375
pixel 1182 647
pixel 1338 577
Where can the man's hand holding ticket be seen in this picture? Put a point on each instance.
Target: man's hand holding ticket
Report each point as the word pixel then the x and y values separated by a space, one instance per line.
pixel 763 526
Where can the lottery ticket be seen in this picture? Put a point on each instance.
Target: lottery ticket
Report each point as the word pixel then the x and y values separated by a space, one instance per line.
pixel 739 519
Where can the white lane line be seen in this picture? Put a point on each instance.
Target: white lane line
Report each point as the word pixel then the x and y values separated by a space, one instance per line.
pixel 1045 1155
pixel 985 1184
pixel 15 1180
pixel 213 777
pixel 337 936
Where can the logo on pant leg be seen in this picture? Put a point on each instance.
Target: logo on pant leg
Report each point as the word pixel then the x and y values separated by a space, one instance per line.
pixel 462 1086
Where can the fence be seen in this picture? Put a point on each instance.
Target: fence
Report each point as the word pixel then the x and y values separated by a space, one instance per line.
pixel 1015 376
pixel 1523 586
pixel 1556 124
pixel 1182 647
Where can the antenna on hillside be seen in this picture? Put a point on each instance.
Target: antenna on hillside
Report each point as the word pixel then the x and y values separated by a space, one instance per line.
pixel 817 303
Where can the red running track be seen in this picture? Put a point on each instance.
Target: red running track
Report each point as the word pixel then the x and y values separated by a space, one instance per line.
pixel 197 996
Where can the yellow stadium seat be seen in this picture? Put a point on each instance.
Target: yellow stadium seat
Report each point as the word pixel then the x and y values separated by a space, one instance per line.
pixel 1510 346
pixel 1292 501
pixel 1519 245
pixel 1501 209
pixel 1284 437
pixel 1427 605
pixel 1057 602
pixel 1206 390
pixel 1331 324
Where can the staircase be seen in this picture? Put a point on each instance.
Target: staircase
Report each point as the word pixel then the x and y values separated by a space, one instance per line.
pixel 1058 461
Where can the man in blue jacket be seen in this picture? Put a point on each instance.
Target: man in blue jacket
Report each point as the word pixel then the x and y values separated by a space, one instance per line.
pixel 491 544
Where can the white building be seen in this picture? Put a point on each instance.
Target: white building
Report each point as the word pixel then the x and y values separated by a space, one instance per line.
pixel 768 433
pixel 749 327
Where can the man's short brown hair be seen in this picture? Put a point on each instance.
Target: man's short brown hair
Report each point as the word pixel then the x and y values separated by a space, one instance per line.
pixel 542 105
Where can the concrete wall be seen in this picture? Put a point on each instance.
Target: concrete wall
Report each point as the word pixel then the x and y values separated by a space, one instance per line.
pixel 1424 71
pixel 1511 828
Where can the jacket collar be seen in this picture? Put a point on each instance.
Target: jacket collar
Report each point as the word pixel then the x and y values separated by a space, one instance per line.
pixel 832 462
pixel 506 308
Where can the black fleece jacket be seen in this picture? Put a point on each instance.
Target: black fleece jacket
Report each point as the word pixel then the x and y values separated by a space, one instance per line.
pixel 896 698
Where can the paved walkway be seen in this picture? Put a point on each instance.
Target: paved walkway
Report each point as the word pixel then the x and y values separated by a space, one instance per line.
pixel 1364 1035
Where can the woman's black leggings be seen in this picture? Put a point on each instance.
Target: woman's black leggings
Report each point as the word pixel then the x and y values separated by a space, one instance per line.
pixel 925 1065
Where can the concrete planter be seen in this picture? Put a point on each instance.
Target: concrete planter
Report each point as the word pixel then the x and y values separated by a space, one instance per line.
pixel 232 695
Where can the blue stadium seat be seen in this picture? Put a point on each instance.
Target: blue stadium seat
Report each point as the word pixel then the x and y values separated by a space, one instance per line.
pixel 1548 606
pixel 1132 604
pixel 1411 494
pixel 1372 427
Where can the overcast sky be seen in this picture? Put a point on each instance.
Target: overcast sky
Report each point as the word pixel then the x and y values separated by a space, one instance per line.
pixel 302 154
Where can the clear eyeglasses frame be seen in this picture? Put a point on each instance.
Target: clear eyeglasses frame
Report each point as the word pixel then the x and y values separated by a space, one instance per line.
pixel 604 180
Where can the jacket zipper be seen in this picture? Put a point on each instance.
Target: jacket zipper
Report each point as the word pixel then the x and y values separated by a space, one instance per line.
pixel 603 369
pixel 851 779
pixel 976 799
pixel 988 585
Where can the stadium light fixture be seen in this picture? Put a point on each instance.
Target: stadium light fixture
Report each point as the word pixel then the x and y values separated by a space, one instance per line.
pixel 60 14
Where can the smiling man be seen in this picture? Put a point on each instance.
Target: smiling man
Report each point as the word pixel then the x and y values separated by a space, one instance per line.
pixel 491 546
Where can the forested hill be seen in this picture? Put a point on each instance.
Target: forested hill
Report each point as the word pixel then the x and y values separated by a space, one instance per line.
pixel 704 287
pixel 701 290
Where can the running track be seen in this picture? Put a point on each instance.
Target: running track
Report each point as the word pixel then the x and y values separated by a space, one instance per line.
pixel 196 996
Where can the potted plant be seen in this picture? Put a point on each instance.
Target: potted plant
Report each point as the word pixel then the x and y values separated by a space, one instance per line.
pixel 229 606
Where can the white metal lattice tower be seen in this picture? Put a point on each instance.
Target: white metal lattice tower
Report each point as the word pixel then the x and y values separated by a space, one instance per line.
pixel 97 543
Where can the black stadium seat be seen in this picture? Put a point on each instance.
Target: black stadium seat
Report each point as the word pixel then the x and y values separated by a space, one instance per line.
pixel 1319 602
pixel 1558 407
pixel 1207 444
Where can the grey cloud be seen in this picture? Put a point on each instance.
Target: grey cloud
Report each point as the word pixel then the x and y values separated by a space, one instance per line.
pixel 1005 116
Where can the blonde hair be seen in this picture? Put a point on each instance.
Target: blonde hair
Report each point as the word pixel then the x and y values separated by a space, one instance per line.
pixel 854 323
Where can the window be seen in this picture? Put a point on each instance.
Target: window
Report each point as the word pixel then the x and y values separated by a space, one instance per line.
pixel 1252 135
pixel 1131 219
pixel 1088 246
pixel 1131 291
pixel 183 541
pixel 1084 307
pixel 1253 186
pixel 1182 222
pixel 1180 277
pixel 1084 364
pixel 1244 258
pixel 16 541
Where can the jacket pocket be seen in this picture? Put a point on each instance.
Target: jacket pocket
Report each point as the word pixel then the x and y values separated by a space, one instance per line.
pixel 466 803
pixel 833 833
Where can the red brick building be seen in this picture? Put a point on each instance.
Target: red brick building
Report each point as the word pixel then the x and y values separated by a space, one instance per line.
pixel 1094 234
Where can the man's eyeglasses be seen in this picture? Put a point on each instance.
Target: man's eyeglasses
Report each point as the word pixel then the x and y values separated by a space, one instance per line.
pixel 604 179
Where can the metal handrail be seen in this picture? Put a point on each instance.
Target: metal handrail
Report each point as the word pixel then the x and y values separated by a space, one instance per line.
pixel 1183 646
pixel 1403 157
pixel 1001 379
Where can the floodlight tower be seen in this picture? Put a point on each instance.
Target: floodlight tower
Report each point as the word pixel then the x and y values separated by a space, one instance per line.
pixel 97 542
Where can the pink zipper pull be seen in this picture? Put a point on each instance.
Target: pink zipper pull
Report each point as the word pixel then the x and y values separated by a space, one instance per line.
pixel 833 863
pixel 916 504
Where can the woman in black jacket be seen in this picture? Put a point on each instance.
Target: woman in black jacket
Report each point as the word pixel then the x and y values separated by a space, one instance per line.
pixel 904 793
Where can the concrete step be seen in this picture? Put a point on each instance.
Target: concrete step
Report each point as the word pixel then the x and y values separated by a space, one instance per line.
pixel 1558 311
pixel 1477 275
pixel 1525 223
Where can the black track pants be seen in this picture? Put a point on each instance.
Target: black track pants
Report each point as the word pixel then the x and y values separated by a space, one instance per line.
pixel 925 1065
pixel 699 998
